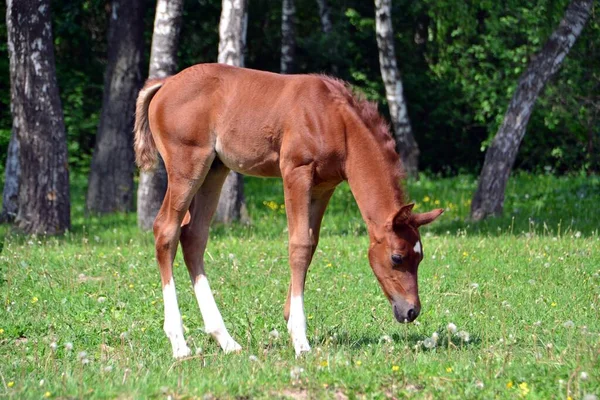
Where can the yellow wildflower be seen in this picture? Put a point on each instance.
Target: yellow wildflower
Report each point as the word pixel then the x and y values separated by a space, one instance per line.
pixel 34 300
pixel 1 331
pixel 47 394
pixel 553 304
pixel 324 363
pixel 524 389
pixel 395 368
pixel 131 286
pixel 359 363
pixel 437 202
pixel 426 199
pixel 10 384
pixel 509 384
pixel 449 369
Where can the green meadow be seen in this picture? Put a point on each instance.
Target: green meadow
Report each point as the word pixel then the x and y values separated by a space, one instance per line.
pixel 511 306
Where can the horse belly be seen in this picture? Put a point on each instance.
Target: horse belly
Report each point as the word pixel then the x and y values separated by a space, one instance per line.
pixel 248 155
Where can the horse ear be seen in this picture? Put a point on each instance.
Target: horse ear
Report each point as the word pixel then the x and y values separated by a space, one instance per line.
pixel 403 215
pixel 425 218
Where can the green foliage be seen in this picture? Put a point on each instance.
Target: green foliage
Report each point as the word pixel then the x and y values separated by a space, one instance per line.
pixel 502 282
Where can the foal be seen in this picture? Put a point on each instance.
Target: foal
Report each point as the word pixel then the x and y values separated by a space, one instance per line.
pixel 307 129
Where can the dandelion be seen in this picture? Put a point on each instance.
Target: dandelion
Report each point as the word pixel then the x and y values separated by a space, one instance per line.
pixel 569 324
pixel 435 336
pixel 452 327
pixel 464 336
pixel 465 254
pixel 523 389
pixel 583 376
pixel 448 369
pixel 509 384
pixel 274 334
pixel 34 300
pixel 429 343
pixel 395 368
pixel 359 363
pixel 253 358
pixel 47 394
pixel 553 304
pixel 426 199
pixel 68 346
pixel 324 363
pixel 1 331
pixel 296 372
pixel 53 346
pixel 10 384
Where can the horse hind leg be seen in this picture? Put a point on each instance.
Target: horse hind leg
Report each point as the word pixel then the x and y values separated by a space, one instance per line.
pixel 183 182
pixel 194 237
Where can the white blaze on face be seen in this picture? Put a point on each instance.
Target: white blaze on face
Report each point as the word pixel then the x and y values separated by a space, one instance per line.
pixel 297 325
pixel 213 321
pixel 173 327
pixel 417 248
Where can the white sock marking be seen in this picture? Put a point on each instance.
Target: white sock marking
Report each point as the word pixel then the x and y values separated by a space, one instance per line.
pixel 297 325
pixel 213 321
pixel 417 247
pixel 173 326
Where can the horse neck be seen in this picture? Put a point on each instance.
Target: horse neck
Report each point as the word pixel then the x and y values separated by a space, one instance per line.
pixel 372 175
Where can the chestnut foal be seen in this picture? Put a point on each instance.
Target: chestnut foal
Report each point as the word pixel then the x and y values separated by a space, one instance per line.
pixel 307 129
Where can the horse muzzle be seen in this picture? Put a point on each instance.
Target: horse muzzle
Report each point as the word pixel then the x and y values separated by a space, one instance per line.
pixel 404 311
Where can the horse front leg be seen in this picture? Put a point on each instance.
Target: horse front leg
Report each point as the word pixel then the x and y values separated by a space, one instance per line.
pixel 304 212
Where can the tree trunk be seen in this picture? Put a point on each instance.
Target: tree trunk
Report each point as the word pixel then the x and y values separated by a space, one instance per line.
pixel 43 201
pixel 288 36
pixel 111 177
pixel 232 42
pixel 325 16
pixel 405 141
pixel 500 157
pixel 10 194
pixel 163 62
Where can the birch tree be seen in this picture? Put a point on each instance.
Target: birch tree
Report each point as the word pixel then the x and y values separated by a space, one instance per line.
pixel 325 16
pixel 405 142
pixel 288 36
pixel 12 172
pixel 500 156
pixel 43 199
pixel 232 43
pixel 163 62
pixel 110 185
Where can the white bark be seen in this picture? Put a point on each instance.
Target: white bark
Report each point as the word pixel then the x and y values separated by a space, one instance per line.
pixel 406 143
pixel 288 36
pixel 163 62
pixel 325 16
pixel 500 157
pixel 232 43
pixel 10 194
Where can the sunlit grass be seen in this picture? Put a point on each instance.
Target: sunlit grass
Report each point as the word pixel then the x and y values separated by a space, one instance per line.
pixel 510 306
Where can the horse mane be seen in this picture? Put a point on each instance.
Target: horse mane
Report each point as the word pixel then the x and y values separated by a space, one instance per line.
pixel 368 112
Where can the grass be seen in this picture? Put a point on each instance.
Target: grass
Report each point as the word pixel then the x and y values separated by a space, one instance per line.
pixel 525 287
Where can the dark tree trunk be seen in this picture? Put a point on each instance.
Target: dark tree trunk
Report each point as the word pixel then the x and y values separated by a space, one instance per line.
pixel 500 157
pixel 163 62
pixel 288 36
pixel 111 177
pixel 232 42
pixel 10 194
pixel 43 202
pixel 405 141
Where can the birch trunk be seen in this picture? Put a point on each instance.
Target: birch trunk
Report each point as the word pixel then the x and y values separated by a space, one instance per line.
pixel 325 16
pixel 43 200
pixel 10 194
pixel 288 36
pixel 110 186
pixel 500 157
pixel 163 62
pixel 405 141
pixel 232 43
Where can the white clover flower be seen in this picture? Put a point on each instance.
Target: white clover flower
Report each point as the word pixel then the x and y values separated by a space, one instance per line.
pixel 42 382
pixel 253 358
pixel 68 346
pixel 53 346
pixel 452 327
pixel 198 351
pixel 429 343
pixel 537 323
pixel 583 376
pixel 590 396
pixel 505 304
pixel 296 372
pixel 101 299
pixel 274 334
pixel 435 336
pixel 81 355
pixel 85 361
pixel 577 234
pixel 479 385
pixel 569 324
pixel 549 346
pixel 474 285
pixel 385 338
pixel 108 368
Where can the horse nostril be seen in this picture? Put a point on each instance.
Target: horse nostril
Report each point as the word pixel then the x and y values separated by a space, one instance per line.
pixel 412 314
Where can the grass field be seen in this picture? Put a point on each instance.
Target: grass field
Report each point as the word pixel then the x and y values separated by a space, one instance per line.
pixel 82 315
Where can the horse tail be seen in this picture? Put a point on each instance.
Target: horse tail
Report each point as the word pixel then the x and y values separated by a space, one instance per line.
pixel 145 147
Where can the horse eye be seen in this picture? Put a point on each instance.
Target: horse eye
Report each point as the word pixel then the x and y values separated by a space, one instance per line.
pixel 397 259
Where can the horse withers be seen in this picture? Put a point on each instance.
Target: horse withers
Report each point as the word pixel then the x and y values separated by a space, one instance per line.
pixel 309 130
